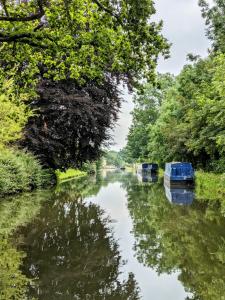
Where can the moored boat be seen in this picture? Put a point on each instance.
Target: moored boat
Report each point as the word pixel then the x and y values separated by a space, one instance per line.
pixel 179 172
pixel 148 167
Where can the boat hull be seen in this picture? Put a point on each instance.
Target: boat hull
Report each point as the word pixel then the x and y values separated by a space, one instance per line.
pixel 178 180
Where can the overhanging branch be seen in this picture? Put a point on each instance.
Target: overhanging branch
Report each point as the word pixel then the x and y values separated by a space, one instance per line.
pixel 31 17
pixel 106 9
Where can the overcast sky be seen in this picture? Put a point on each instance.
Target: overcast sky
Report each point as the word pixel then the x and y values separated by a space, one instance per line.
pixel 185 29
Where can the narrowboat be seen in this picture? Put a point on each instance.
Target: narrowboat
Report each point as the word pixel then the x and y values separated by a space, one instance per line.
pixel 179 172
pixel 181 196
pixel 148 167
pixel 147 177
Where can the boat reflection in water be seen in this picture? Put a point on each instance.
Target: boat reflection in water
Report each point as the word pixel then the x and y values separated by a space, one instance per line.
pixel 179 195
pixel 147 177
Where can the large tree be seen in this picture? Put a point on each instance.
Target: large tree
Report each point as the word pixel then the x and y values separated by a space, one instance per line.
pixel 83 48
pixel 80 39
pixel 71 123
pixel 145 114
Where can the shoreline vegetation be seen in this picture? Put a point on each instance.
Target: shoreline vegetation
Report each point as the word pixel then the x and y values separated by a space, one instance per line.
pixel 22 172
pixel 70 174
pixel 210 186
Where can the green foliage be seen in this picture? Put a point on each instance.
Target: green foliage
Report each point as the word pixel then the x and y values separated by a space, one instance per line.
pixel 190 121
pixel 70 173
pixel 81 39
pixel 13 284
pixel 210 186
pixel 188 240
pixel 72 246
pixel 20 172
pixel 91 167
pixel 215 19
pixel 15 212
pixel 13 113
pixel 114 158
pixel 145 114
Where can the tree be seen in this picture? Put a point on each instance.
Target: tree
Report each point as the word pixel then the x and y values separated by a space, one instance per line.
pixel 13 114
pixel 71 123
pixel 145 114
pixel 184 120
pixel 114 158
pixel 215 21
pixel 191 123
pixel 80 39
pixel 88 43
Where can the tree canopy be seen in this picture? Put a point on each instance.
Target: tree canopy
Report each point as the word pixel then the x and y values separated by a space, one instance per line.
pixel 71 123
pixel 215 21
pixel 80 39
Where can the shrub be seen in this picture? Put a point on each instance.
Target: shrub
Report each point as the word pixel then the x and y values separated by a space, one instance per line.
pixel 20 171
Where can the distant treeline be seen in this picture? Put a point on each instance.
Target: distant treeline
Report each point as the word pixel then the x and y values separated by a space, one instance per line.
pixel 183 117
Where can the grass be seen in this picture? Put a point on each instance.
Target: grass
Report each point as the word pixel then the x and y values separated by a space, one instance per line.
pixel 21 172
pixel 70 173
pixel 210 186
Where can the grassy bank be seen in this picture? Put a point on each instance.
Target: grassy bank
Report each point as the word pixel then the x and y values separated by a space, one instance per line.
pixel 210 186
pixel 70 173
pixel 20 172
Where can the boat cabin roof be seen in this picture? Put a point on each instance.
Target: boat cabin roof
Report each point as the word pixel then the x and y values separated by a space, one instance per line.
pixel 178 164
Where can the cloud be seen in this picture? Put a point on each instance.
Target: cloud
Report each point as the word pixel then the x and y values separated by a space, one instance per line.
pixel 184 27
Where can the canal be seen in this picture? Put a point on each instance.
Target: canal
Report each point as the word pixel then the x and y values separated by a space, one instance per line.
pixel 115 237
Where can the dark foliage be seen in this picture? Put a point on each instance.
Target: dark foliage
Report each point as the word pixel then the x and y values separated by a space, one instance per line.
pixel 71 123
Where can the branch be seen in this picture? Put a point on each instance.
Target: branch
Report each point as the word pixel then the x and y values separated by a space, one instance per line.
pixel 106 9
pixel 24 37
pixel 31 17
pixel 31 43
pixel 3 2
pixel 15 37
pixel 23 19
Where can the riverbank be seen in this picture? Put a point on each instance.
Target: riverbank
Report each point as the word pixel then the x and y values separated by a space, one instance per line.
pixel 69 174
pixel 21 172
pixel 210 186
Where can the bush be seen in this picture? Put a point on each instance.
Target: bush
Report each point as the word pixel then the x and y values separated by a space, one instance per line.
pixel 20 171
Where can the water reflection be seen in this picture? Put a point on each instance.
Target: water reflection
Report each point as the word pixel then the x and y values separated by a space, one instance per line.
pixel 15 212
pixel 187 239
pixel 147 177
pixel 67 247
pixel 71 250
pixel 179 195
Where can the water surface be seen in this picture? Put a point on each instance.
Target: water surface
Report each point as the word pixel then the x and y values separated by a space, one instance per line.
pixel 116 236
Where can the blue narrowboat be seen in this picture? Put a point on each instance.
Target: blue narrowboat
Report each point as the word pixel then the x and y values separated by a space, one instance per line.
pixel 181 196
pixel 147 177
pixel 148 167
pixel 179 172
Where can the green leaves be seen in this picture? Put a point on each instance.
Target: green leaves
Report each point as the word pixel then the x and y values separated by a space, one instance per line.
pixel 13 114
pixel 82 39
pixel 188 121
pixel 215 20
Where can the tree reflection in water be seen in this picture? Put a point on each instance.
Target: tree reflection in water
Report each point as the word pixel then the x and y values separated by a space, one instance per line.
pixel 71 251
pixel 188 239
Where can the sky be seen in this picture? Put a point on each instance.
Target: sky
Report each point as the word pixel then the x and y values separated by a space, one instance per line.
pixel 185 29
